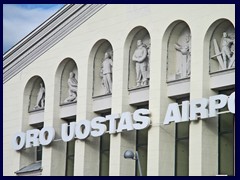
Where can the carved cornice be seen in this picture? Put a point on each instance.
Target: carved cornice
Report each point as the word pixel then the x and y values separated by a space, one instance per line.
pixel 45 36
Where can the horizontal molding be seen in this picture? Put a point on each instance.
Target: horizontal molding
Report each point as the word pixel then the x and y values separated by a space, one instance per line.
pixel 46 36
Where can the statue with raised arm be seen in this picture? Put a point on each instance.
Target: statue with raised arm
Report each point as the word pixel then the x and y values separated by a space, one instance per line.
pixel 72 88
pixel 140 58
pixel 227 51
pixel 106 73
pixel 185 49
pixel 40 98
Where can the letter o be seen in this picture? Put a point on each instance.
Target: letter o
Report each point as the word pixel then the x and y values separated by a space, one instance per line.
pixel 46 135
pixel 231 103
pixel 18 141
pixel 84 132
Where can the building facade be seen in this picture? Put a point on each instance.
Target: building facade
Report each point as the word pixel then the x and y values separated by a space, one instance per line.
pixel 92 64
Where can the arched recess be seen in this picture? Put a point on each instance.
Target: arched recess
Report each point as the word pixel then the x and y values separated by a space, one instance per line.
pixel 32 115
pixel 220 50
pixel 33 100
pixel 64 111
pixel 35 90
pixel 102 67
pixel 64 71
pixel 178 51
pixel 136 34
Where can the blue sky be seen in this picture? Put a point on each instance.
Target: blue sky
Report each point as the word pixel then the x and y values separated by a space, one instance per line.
pixel 20 19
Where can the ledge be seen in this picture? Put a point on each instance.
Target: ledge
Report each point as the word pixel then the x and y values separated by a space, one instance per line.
pixel 68 110
pixel 221 72
pixel 70 103
pixel 102 103
pixel 35 110
pixel 36 117
pixel 32 169
pixel 178 88
pixel 222 79
pixel 138 88
pixel 102 96
pixel 176 81
pixel 139 95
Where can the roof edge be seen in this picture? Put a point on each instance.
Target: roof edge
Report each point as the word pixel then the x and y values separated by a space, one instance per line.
pixel 32 33
pixel 50 32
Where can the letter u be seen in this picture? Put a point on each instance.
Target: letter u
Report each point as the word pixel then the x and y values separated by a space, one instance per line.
pixel 68 135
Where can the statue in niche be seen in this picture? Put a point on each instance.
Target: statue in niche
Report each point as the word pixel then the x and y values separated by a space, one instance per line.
pixel 148 56
pixel 184 70
pixel 232 60
pixel 72 88
pixel 40 98
pixel 140 57
pixel 106 73
pixel 225 57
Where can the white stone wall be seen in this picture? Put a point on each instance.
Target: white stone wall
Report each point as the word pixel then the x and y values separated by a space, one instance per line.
pixel 114 23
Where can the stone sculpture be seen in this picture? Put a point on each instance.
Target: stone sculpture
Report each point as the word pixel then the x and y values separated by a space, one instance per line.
pixel 184 69
pixel 106 73
pixel 72 88
pixel 40 98
pixel 225 56
pixel 140 57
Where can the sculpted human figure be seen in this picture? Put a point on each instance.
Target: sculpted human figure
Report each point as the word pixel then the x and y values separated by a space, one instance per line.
pixel 72 88
pixel 185 49
pixel 40 98
pixel 140 58
pixel 106 73
pixel 148 64
pixel 232 60
pixel 226 44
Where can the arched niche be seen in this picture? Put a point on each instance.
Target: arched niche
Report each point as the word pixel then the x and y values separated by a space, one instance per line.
pixel 220 39
pixel 33 103
pixel 32 117
pixel 138 33
pixel 68 71
pixel 35 90
pixel 178 51
pixel 102 68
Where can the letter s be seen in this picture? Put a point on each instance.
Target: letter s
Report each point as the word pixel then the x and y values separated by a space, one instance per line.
pixel 142 121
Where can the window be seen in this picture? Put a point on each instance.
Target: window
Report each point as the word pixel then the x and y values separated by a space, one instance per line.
pixel 182 149
pixel 182 146
pixel 38 150
pixel 39 153
pixel 104 151
pixel 142 148
pixel 70 156
pixel 226 141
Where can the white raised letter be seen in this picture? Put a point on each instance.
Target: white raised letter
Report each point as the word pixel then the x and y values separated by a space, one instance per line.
pixel 173 114
pixel 112 122
pixel 141 120
pixel 46 135
pixel 68 136
pixel 198 106
pixel 216 102
pixel 18 141
pixel 83 132
pixel 125 122
pixel 100 129
pixel 185 111
pixel 231 103
pixel 32 138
